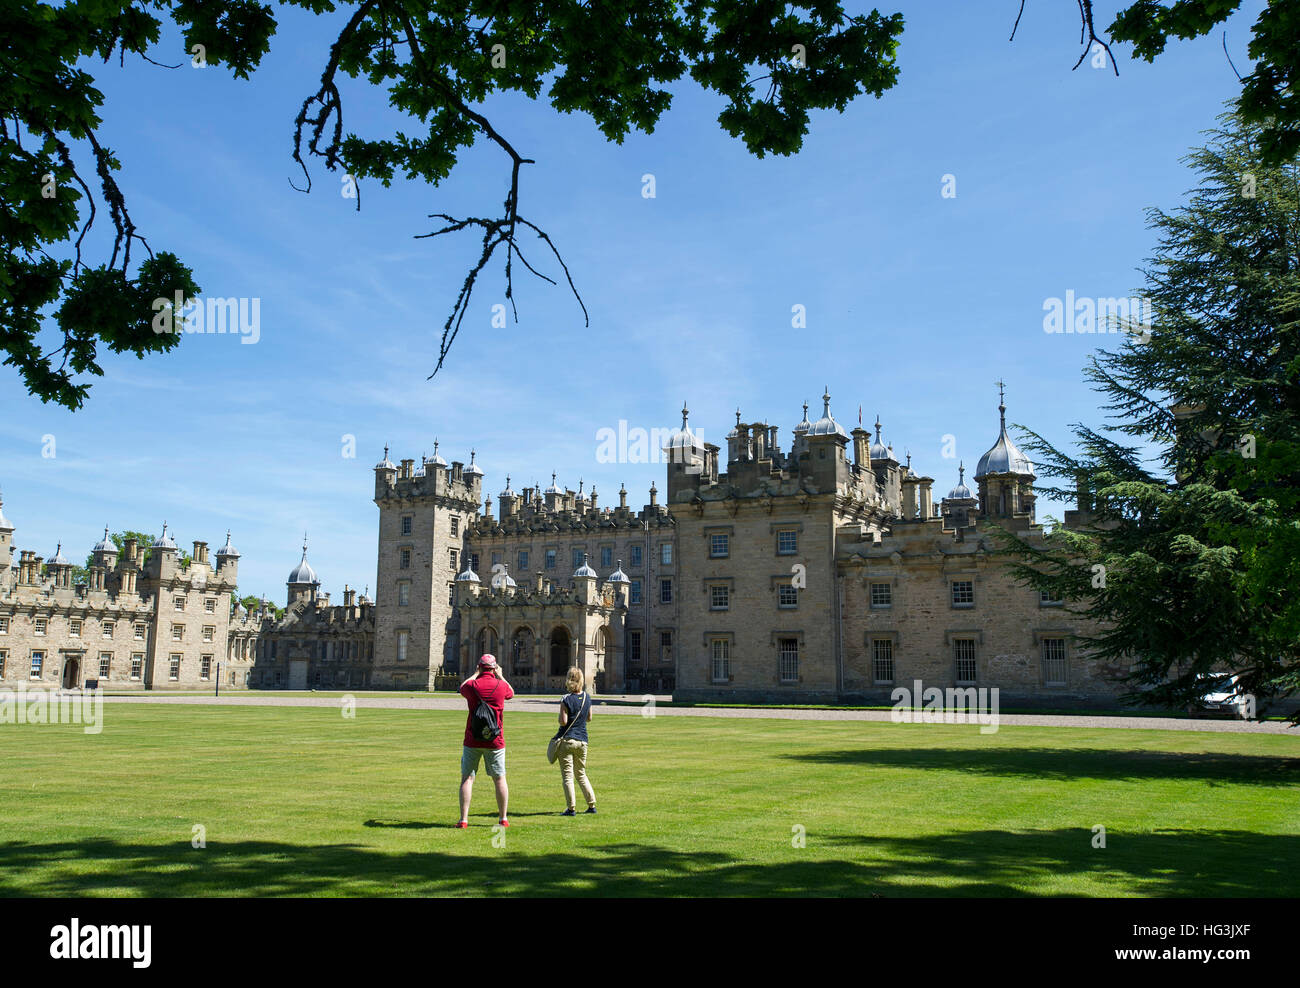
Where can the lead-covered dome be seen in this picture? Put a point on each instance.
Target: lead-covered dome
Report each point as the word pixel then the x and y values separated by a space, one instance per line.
pixel 303 573
pixel 826 425
pixel 1005 456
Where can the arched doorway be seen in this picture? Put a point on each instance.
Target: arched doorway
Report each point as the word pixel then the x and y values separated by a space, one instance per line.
pixel 521 652
pixel 71 674
pixel 487 643
pixel 560 650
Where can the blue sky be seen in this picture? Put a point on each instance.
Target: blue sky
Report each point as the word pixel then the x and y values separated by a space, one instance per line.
pixel 916 304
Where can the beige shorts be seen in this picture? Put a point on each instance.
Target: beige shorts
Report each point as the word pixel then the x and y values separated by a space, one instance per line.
pixel 470 757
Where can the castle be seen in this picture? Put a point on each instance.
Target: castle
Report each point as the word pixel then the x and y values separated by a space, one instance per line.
pixel 824 573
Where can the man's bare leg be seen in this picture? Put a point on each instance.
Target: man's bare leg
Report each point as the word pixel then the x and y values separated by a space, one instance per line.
pixel 466 791
pixel 503 797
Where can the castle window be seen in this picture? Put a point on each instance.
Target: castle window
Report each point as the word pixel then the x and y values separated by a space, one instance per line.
pixel 4 660
pixel 1054 664
pixel 107 629
pixel 787 595
pixel 210 605
pixel 139 632
pixel 209 632
pixel 721 659
pixel 451 593
pixel 577 555
pixel 787 543
pixel 407 522
pixel 634 595
pixel 179 603
pixel 74 629
pixel 719 597
pixel 174 668
pixel 550 559
pixel 137 664
pixel 178 632
pixel 634 647
pixel 403 639
pixel 404 593
pixel 451 554
pixel 963 593
pixel 788 649
pixel 4 626
pixel 665 648
pixel 719 547
pixel 496 561
pixel 665 591
pixel 38 626
pixel 523 561
pixel 666 553
pixel 455 524
pixel 606 556
pixel 882 595
pixel 1045 599
pixel 404 559
pixel 882 661
pixel 636 556
pixel 38 660
pixel 964 657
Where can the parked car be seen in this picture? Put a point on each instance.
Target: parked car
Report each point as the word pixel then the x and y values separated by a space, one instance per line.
pixel 1222 696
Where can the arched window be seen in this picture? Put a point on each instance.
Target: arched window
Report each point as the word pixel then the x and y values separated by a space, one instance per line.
pixel 487 643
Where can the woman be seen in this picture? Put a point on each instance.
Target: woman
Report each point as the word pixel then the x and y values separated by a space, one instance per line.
pixel 575 708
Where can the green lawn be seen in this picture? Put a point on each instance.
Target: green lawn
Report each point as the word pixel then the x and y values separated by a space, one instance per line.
pixel 301 801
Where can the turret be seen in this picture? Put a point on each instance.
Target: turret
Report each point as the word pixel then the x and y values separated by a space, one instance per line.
pixel 228 561
pixel 584 581
pixel 1005 476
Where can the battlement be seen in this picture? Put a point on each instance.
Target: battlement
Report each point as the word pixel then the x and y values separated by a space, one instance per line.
pixel 434 480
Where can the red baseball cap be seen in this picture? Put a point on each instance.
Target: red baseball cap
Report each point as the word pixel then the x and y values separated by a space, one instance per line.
pixel 487 661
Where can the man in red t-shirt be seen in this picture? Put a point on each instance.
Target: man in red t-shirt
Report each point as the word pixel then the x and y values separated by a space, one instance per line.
pixel 489 686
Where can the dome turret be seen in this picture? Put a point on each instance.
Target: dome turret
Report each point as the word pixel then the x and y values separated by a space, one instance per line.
pixel 164 541
pixel 826 425
pixel 303 574
pixel 105 544
pixel 1005 456
pixel 961 490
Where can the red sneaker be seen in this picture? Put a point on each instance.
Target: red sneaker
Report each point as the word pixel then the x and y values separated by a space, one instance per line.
pixel 462 825
pixel 504 823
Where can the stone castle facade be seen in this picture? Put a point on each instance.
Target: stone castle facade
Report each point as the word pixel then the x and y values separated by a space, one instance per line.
pixel 821 573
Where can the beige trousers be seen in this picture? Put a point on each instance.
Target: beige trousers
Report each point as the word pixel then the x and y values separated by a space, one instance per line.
pixel 573 760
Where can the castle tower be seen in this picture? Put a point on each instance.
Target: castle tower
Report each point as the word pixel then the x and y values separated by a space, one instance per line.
pixel 422 526
pixel 1005 476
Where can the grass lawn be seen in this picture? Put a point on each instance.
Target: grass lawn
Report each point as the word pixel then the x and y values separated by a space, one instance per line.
pixel 301 801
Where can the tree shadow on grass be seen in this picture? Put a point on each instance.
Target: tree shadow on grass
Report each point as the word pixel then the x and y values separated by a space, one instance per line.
pixel 984 863
pixel 1061 764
